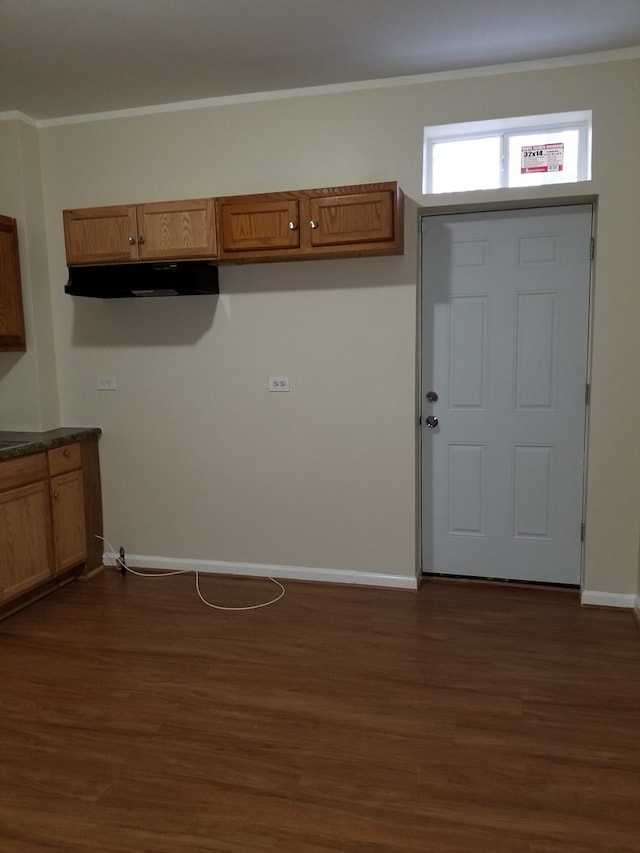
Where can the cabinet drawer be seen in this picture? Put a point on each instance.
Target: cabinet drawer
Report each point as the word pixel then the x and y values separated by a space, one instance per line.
pixel 63 459
pixel 23 470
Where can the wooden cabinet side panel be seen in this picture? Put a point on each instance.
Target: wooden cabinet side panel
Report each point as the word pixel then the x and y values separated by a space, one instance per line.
pixel 26 554
pixel 177 230
pixel 67 510
pixel 94 546
pixel 12 330
pixel 100 235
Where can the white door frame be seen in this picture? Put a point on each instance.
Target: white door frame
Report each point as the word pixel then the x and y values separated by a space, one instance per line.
pixel 524 204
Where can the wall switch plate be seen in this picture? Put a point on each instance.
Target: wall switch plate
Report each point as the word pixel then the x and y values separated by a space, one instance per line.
pixel 106 383
pixel 279 383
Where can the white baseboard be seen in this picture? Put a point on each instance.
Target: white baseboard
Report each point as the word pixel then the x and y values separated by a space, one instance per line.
pixel 302 573
pixel 609 599
pixel 636 607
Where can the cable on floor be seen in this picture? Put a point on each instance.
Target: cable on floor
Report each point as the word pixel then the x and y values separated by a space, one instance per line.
pixel 120 562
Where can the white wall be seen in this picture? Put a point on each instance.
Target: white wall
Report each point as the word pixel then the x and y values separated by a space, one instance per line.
pixel 199 460
pixel 28 381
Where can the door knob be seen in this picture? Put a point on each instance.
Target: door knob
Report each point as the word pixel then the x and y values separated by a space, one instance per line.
pixel 431 422
pixel 432 397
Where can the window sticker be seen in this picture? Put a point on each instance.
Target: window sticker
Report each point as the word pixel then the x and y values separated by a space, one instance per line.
pixel 542 158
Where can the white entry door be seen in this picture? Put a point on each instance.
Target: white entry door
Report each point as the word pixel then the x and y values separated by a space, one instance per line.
pixel 505 305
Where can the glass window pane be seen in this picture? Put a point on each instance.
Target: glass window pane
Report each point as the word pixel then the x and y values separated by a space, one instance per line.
pixel 569 171
pixel 468 164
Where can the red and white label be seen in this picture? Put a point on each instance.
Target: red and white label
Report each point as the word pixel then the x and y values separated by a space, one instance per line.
pixel 542 158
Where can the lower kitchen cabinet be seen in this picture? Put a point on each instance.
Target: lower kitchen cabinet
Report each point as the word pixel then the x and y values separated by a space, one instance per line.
pixel 67 511
pixel 50 520
pixel 25 534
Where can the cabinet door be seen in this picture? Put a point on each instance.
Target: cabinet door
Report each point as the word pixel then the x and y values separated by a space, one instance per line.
pixel 360 218
pixel 12 337
pixel 101 235
pixel 177 229
pixel 67 509
pixel 25 534
pixel 259 224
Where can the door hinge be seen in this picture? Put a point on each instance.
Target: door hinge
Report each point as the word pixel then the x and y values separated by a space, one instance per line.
pixel 587 394
pixel 592 249
pixel 582 532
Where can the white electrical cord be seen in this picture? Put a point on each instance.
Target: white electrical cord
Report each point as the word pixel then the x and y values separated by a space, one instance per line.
pixel 121 562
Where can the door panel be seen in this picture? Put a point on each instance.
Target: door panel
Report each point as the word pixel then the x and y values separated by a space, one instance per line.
pixel 177 229
pixel 259 225
pixel 532 491
pixel 467 352
pixel 536 372
pixel 504 330
pixel 358 218
pixel 101 235
pixel 466 489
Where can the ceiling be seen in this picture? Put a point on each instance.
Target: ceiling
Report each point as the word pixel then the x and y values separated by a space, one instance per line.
pixel 70 57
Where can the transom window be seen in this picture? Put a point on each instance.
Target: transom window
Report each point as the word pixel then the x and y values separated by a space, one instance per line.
pixel 515 152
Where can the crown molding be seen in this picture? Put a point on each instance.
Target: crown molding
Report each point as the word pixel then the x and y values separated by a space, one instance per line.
pixel 16 115
pixel 621 55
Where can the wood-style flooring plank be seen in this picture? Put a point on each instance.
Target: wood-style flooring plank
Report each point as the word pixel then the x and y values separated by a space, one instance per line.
pixel 464 717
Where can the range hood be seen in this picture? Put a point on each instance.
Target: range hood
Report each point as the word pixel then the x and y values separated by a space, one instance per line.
pixel 119 281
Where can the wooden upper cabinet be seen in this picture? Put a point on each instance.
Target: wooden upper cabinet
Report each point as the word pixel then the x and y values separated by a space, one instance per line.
pixel 332 222
pixel 101 235
pixel 177 229
pixel 356 219
pixel 12 335
pixel 337 222
pixel 173 230
pixel 258 223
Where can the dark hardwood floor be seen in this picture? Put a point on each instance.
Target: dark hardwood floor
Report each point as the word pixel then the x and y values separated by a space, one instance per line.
pixel 460 718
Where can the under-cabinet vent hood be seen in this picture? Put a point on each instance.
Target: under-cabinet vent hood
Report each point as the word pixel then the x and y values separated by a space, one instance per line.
pixel 119 281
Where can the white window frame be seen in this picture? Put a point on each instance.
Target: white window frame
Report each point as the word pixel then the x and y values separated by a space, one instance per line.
pixel 505 128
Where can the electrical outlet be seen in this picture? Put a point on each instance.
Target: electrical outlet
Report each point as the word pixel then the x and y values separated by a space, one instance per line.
pixel 279 383
pixel 106 383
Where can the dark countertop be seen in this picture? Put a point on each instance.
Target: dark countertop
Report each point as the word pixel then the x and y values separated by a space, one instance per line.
pixel 14 444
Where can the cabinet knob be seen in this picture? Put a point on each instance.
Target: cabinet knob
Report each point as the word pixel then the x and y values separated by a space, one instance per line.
pixel 66 452
pixel 313 224
pixel 141 239
pixel 132 241
pixel 56 494
pixel 293 225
